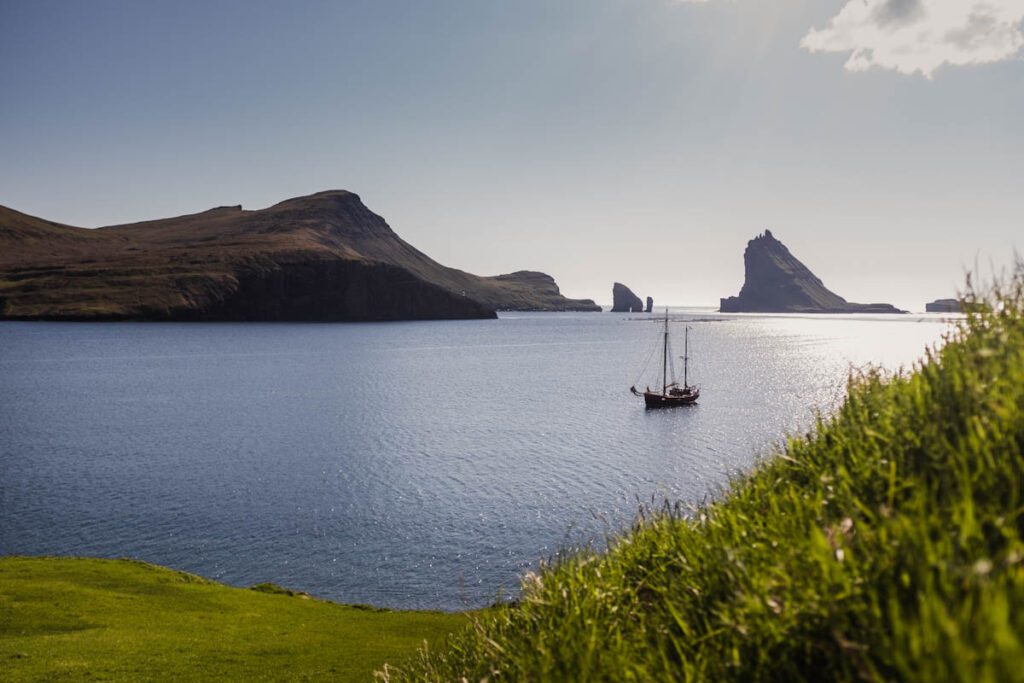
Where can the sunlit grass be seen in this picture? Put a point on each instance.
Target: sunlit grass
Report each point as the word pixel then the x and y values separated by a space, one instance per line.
pixel 118 620
pixel 886 544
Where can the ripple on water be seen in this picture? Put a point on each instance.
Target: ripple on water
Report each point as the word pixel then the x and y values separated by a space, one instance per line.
pixel 408 465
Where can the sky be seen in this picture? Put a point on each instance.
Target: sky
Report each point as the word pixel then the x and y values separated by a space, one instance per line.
pixel 639 141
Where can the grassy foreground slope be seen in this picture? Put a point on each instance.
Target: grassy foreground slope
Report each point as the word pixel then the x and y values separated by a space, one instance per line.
pixel 78 619
pixel 884 545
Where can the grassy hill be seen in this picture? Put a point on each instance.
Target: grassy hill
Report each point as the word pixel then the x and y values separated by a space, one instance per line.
pixel 88 619
pixel 887 544
pixel 321 257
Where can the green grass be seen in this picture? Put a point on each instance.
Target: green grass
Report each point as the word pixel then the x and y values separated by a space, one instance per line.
pixel 90 619
pixel 886 544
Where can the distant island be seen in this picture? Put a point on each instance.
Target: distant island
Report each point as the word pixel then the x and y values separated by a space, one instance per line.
pixel 944 306
pixel 624 300
pixel 323 257
pixel 777 282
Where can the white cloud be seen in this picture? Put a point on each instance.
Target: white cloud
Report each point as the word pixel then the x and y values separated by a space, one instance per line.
pixel 919 36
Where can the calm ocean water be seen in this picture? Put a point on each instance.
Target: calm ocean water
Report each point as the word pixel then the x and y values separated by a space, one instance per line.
pixel 416 465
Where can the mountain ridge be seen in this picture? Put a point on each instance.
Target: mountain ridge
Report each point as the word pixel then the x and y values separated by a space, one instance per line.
pixel 324 256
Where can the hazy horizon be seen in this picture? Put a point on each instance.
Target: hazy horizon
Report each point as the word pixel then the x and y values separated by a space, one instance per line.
pixel 638 141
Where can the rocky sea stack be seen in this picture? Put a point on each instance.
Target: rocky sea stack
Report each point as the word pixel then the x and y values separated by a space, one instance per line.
pixel 323 257
pixel 624 300
pixel 777 282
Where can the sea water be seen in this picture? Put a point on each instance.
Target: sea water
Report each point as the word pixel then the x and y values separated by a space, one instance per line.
pixel 407 465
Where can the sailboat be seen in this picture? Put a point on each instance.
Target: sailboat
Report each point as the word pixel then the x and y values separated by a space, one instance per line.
pixel 671 394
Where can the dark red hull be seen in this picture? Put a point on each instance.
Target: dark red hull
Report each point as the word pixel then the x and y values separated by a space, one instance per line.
pixel 653 400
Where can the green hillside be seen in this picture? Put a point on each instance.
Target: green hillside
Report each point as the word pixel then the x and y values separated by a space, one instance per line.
pixel 887 544
pixel 118 620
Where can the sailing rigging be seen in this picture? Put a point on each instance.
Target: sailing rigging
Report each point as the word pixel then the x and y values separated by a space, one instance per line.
pixel 672 393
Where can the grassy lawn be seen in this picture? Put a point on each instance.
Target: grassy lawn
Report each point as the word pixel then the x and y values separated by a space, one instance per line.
pixel 90 619
pixel 887 544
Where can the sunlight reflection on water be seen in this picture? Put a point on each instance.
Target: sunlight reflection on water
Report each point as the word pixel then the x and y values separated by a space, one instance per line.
pixel 402 464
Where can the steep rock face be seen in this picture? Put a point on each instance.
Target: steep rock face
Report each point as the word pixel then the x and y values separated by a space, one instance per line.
pixel 624 300
pixel 321 257
pixel 336 290
pixel 777 282
pixel 944 306
pixel 527 290
pixel 264 288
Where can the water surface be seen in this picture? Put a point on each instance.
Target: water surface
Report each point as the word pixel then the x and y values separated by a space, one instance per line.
pixel 401 464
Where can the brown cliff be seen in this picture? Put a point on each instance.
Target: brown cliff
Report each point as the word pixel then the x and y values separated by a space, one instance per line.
pixel 321 257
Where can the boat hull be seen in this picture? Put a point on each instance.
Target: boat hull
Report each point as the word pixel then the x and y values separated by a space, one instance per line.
pixel 653 400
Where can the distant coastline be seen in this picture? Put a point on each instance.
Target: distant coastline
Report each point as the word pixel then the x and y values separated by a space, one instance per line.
pixel 323 257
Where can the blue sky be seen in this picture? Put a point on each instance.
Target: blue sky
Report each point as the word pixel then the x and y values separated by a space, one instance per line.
pixel 643 141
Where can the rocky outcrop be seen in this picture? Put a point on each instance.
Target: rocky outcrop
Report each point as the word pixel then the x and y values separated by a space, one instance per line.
pixel 650 305
pixel 322 257
pixel 776 282
pixel 527 290
pixel 624 300
pixel 944 306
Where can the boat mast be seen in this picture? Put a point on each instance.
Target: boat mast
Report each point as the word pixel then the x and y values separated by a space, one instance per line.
pixel 664 359
pixel 686 358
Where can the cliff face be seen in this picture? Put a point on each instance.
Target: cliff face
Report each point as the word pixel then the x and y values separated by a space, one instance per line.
pixel 526 290
pixel 624 300
pixel 321 257
pixel 944 306
pixel 777 282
